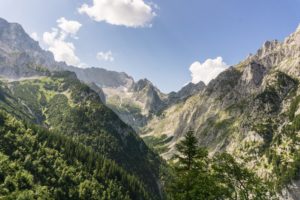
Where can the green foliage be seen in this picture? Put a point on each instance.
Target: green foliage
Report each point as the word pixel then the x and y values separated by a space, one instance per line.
pixel 158 144
pixel 285 81
pixel 236 182
pixel 29 93
pixel 266 131
pixel 276 91
pixel 37 164
pixel 293 108
pixel 286 171
pixel 65 105
pixel 270 99
pixel 191 180
pixel 223 124
pixel 198 177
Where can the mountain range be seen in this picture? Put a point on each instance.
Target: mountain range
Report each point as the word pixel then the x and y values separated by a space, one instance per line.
pixel 37 91
pixel 250 110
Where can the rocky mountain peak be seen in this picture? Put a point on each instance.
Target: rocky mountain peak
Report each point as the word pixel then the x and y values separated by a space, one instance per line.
pixel 185 92
pixel 14 38
pixel 192 88
pixel 20 55
pixel 141 84
pixel 102 77
pixel 253 73
pixel 294 38
pixel 280 55
pixel 267 48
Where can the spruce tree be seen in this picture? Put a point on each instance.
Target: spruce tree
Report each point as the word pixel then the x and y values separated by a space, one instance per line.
pixel 191 165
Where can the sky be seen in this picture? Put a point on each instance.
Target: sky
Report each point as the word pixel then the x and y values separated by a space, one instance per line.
pixel 169 42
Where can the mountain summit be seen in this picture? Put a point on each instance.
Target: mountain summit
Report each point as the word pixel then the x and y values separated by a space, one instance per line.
pixel 67 119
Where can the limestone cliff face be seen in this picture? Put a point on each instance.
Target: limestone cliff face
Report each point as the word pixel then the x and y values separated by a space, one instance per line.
pixel 185 92
pixel 263 81
pixel 20 56
pixel 137 103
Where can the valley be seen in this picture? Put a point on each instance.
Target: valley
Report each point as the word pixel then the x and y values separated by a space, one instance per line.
pixel 86 133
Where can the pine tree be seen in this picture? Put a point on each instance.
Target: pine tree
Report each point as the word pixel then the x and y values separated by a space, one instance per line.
pixel 188 151
pixel 191 165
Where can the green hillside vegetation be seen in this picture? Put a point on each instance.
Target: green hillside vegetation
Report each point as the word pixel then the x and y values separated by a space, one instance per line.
pixel 62 104
pixel 198 177
pixel 38 164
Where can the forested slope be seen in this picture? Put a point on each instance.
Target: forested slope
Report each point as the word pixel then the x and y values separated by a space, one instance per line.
pixel 62 104
pixel 38 164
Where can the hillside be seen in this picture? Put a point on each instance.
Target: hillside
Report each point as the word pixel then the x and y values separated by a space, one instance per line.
pixel 63 104
pixel 38 164
pixel 250 110
pixel 135 102
pixel 89 122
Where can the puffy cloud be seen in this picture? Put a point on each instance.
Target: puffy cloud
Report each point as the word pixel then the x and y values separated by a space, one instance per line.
pixel 106 56
pixel 62 50
pixel 68 26
pixel 34 36
pixel 207 70
pixel 56 41
pixel 130 13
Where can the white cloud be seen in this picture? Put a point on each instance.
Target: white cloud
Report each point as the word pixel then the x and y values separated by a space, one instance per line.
pixel 34 36
pixel 106 56
pixel 68 26
pixel 130 13
pixel 207 70
pixel 56 41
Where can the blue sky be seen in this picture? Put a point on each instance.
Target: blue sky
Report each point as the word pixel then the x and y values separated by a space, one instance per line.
pixel 181 33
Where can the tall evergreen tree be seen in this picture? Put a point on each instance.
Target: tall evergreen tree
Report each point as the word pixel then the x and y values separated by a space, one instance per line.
pixel 191 169
pixel 188 152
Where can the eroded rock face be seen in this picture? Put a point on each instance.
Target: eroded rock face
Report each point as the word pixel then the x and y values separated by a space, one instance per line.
pixel 187 91
pixel 21 56
pixel 259 84
pixel 284 56
pixel 253 75
pixel 102 78
pixel 244 111
pixel 141 102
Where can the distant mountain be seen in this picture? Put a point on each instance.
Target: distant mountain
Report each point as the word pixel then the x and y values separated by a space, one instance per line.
pixel 134 102
pixel 38 91
pixel 21 56
pixel 102 77
pixel 185 92
pixel 138 104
